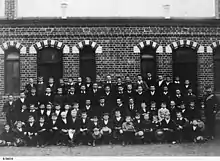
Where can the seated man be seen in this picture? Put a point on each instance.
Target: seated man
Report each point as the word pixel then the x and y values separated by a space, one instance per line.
pixel 7 137
pixel 169 128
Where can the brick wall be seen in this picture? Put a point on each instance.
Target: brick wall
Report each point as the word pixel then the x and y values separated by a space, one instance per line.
pixel 117 41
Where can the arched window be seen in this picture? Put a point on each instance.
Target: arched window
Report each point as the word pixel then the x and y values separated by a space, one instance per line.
pixel 217 70
pixel 87 62
pixel 185 65
pixel 50 63
pixel 148 62
pixel 12 71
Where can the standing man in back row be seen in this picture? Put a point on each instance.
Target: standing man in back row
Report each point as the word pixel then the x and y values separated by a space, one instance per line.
pixel 210 112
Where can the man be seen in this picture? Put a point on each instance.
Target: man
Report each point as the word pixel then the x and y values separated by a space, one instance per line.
pixel 140 97
pixel 88 84
pixel 153 95
pixel 32 97
pixel 78 85
pixel 149 80
pixel 41 86
pixel 110 99
pixel 210 112
pixel 29 86
pixel 109 82
pixel 51 85
pixel 72 97
pixel 20 101
pixel 160 84
pixel 8 110
pixel 140 82
pixel 61 84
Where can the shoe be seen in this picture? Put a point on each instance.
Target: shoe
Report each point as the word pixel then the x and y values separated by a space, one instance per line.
pixel 110 143
pixel 93 144
pixel 123 143
pixel 89 144
pixel 174 142
pixel 42 146
pixel 38 146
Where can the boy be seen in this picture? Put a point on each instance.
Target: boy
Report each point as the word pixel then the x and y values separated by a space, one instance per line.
pixel 102 107
pixel 32 97
pixel 117 127
pixel 78 85
pixel 42 132
pixel 178 98
pixel 20 138
pixel 73 127
pixel 7 137
pixel 147 128
pixel 106 129
pixel 169 128
pixel 48 113
pixel 64 129
pixel 128 131
pixel 195 132
pixel 140 97
pixel 9 110
pixel 95 131
pixel 153 109
pixel 193 112
pixel 143 108
pixel 163 111
pixel 139 134
pixel 153 94
pixel 31 132
pixel 62 85
pixel 88 84
pixel 131 108
pixel 29 86
pixel 173 110
pixel 119 107
pixel 165 96
pixel 23 114
pixel 70 84
pixel 41 87
pixel 184 111
pixel 110 99
pixel 47 97
pixel 129 93
pixel 41 112
pixel 84 135
pixel 59 98
pixel 33 112
pixel 52 85
pixel 120 93
pixel 181 124
pixel 88 108
pixel 58 111
pixel 67 110
pixel 82 96
pixel 71 97
pixel 53 130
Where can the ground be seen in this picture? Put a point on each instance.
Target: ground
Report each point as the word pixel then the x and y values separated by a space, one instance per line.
pixel 211 148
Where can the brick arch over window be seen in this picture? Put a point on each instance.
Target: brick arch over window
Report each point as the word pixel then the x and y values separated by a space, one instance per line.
pixel 49 43
pixel 154 45
pixel 213 46
pixel 80 45
pixel 184 43
pixel 6 45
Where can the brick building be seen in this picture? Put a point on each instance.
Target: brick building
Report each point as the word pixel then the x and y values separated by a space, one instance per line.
pixel 71 47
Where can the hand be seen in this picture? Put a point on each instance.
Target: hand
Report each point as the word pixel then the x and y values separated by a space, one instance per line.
pixel 121 131
pixel 180 127
pixel 3 114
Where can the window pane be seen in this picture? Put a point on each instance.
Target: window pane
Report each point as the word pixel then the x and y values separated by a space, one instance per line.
pixel 13 56
pixel 12 77
pixel 49 55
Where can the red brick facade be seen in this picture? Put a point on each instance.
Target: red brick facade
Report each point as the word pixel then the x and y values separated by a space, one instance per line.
pixel 116 42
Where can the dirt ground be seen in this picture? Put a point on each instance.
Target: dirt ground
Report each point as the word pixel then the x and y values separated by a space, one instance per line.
pixel 211 148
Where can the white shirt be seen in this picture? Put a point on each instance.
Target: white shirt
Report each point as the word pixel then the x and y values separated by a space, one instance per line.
pixel 131 106
pixel 152 92
pixel 22 100
pixel 48 94
pixel 167 121
pixel 118 118
pixel 160 82
pixel 48 113
pixel 57 112
pixel 88 107
pixel 107 93
pixel 41 124
pixel 64 120
pixel 31 124
pixel 42 112
pixel 194 127
pixel 10 103
pixel 105 122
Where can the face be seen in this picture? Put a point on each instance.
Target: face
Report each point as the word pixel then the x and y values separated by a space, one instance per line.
pixel 192 104
pixel 40 79
pixel 129 87
pixel 139 77
pixel 168 79
pixel 117 113
pixel 32 107
pixel 42 106
pixel 167 116
pixel 105 117
pixel 146 117
pixel 83 88
pixel 73 113
pixel 190 90
pixel 61 81
pixel 149 74
pixel 22 95
pixel 84 115
pixel 95 119
pixel 118 101
pixel 60 91
pixel 63 115
pixel 19 124
pixel 102 100
pixel 172 103
pixel 31 119
pixel 72 89
pixel 31 80
pixel 66 107
pixel 88 102
pixel 95 85
pixel 79 80
pixel 48 90
pixel 131 101
pixel 128 79
pixel 143 105
pixel 76 106
pixel 41 120
pixel 51 80
pixel 165 89
pixel 107 89
pixel 153 105
pixel 54 117
pixel 160 77
pixel 7 127
pixel 182 106
pixel 108 78
pixel 155 118
pixel 152 88
pixel 119 81
pixel 70 80
pixel 49 107
pixel 120 89
pixel 33 90
pixel 57 107
pixel 194 122
pixel 163 105
pixel 88 80
pixel 10 98
pixel 128 119
pixel 178 115
pixel 209 90
pixel 177 91
pixel 98 78
pixel 187 82
pixel 140 89
pixel 24 107
pixel 137 117
pixel 177 78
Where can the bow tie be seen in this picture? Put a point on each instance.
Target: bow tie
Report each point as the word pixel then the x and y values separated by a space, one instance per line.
pixel 48 94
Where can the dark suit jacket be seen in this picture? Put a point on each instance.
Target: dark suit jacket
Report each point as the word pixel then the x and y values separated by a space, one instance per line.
pixel 31 129
pixel 170 125
pixel 117 123
pixel 32 99
pixel 28 87
pixel 22 116
pixel 71 98
pixel 109 124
